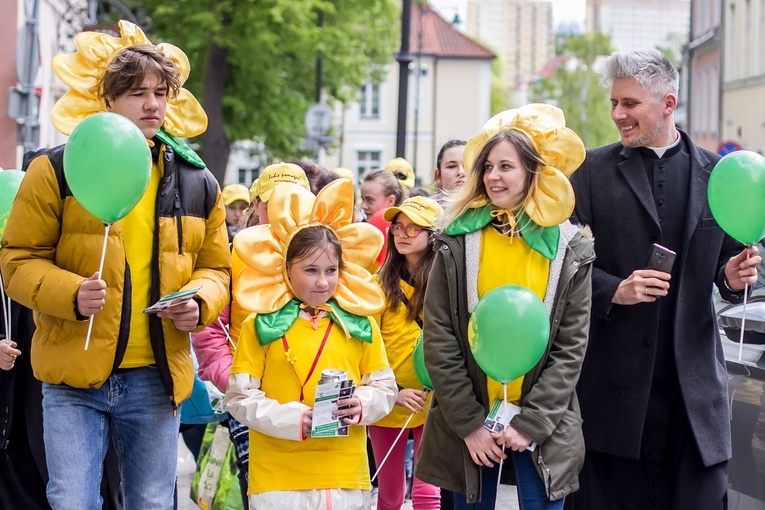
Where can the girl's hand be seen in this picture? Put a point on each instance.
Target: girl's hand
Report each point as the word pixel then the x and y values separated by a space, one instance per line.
pixel 511 438
pixel 307 423
pixel 483 449
pixel 8 353
pixel 350 408
pixel 411 399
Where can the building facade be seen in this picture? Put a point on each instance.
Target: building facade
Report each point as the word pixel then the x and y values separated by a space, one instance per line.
pixel 520 32
pixel 743 73
pixel 448 97
pixel 701 74
pixel 640 25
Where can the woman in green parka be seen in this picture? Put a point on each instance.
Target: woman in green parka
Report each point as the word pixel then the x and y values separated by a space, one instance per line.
pixel 509 225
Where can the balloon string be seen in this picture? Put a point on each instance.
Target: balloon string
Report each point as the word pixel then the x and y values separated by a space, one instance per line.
pixel 501 460
pixel 6 310
pixel 100 275
pixel 743 319
pixel 391 447
pixel 225 332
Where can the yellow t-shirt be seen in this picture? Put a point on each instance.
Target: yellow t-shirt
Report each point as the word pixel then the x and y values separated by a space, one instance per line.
pixel 138 236
pixel 316 463
pixel 506 261
pixel 399 335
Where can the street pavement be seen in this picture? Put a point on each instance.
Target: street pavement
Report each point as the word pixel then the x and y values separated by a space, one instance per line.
pixel 507 497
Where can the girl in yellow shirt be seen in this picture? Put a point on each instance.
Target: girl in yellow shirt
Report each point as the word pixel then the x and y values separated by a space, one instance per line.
pixel 403 278
pixel 313 303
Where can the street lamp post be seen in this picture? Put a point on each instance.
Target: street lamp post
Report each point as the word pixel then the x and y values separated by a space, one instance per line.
pixel 404 59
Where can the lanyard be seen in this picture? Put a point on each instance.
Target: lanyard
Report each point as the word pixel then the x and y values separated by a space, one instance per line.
pixel 292 359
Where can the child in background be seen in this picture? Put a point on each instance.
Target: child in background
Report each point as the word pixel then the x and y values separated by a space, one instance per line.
pixel 236 198
pixel 305 279
pixel 450 172
pixel 403 278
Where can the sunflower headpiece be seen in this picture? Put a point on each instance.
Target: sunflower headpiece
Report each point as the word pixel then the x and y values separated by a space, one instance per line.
pixel 83 70
pixel 263 286
pixel 551 197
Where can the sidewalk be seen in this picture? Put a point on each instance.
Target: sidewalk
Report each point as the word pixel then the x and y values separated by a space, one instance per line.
pixel 507 499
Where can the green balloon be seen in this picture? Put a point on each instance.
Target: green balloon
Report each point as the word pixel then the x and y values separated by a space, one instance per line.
pixel 736 194
pixel 107 164
pixel 508 332
pixel 10 180
pixel 418 358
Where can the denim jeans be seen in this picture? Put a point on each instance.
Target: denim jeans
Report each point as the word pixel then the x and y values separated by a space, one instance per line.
pixel 531 489
pixel 131 408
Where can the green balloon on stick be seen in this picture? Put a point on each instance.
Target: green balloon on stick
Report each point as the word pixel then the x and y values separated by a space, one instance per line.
pixel 10 180
pixel 736 194
pixel 418 358
pixel 508 332
pixel 107 164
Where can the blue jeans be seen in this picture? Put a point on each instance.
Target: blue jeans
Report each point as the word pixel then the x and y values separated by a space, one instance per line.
pixel 133 409
pixel 531 489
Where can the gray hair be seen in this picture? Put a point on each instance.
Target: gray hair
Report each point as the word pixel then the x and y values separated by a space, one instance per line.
pixel 652 70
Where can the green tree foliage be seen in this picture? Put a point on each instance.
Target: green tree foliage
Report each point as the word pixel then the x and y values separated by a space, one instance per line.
pixel 254 62
pixel 499 92
pixel 574 87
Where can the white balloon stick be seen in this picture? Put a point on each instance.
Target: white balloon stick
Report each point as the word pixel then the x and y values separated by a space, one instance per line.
pixel 100 275
pixel 391 447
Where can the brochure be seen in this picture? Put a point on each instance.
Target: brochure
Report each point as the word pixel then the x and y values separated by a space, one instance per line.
pixel 172 299
pixel 499 417
pixel 327 395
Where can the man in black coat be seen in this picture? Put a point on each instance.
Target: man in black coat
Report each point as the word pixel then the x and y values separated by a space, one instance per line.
pixel 653 388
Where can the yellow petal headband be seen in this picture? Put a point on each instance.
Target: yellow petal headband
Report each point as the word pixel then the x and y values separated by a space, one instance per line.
pixel 263 286
pixel 83 70
pixel 551 197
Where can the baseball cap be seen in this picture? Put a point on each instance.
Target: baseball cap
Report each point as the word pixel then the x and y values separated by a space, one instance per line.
pixel 234 192
pixel 403 171
pixel 277 174
pixel 422 211
pixel 345 173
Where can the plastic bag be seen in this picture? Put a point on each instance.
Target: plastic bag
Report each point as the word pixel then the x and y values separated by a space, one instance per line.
pixel 216 485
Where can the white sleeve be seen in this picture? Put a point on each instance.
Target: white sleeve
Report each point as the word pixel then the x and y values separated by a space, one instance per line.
pixel 378 392
pixel 246 402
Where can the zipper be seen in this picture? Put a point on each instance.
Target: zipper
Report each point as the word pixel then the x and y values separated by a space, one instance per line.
pixel 548 476
pixel 179 221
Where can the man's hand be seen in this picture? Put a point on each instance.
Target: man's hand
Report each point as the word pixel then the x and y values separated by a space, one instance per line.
pixel 413 400
pixel 483 449
pixel 742 269
pixel 185 316
pixel 642 286
pixel 90 296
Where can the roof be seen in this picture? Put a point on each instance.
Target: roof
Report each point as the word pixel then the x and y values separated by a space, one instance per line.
pixel 433 35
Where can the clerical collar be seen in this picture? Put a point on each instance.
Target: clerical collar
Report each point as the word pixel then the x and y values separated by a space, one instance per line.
pixel 661 150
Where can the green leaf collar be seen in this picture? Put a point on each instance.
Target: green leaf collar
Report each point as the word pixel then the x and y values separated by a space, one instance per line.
pixel 543 240
pixel 181 148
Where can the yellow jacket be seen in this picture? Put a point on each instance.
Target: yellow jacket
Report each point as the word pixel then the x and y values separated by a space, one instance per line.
pixel 51 244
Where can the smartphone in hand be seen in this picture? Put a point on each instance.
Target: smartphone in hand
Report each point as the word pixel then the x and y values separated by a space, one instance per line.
pixel 660 258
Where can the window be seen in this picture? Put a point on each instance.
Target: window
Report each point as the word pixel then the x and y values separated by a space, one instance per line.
pixel 366 161
pixel 247 176
pixel 369 101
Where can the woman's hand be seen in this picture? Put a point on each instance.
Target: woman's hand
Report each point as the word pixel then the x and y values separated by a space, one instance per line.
pixel 411 399
pixel 8 353
pixel 511 438
pixel 483 449
pixel 307 423
pixel 350 408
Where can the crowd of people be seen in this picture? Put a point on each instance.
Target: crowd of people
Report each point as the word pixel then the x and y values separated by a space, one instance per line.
pixel 304 275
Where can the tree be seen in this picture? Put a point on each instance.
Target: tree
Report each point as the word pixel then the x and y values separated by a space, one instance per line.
pixel 254 62
pixel 574 88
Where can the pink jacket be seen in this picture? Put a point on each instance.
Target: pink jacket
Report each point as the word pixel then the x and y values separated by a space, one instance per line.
pixel 213 351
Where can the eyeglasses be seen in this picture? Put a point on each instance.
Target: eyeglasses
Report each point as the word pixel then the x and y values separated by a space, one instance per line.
pixel 411 230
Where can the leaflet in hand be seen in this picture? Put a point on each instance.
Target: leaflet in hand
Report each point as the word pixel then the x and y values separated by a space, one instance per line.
pixel 172 299
pixel 499 417
pixel 327 395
